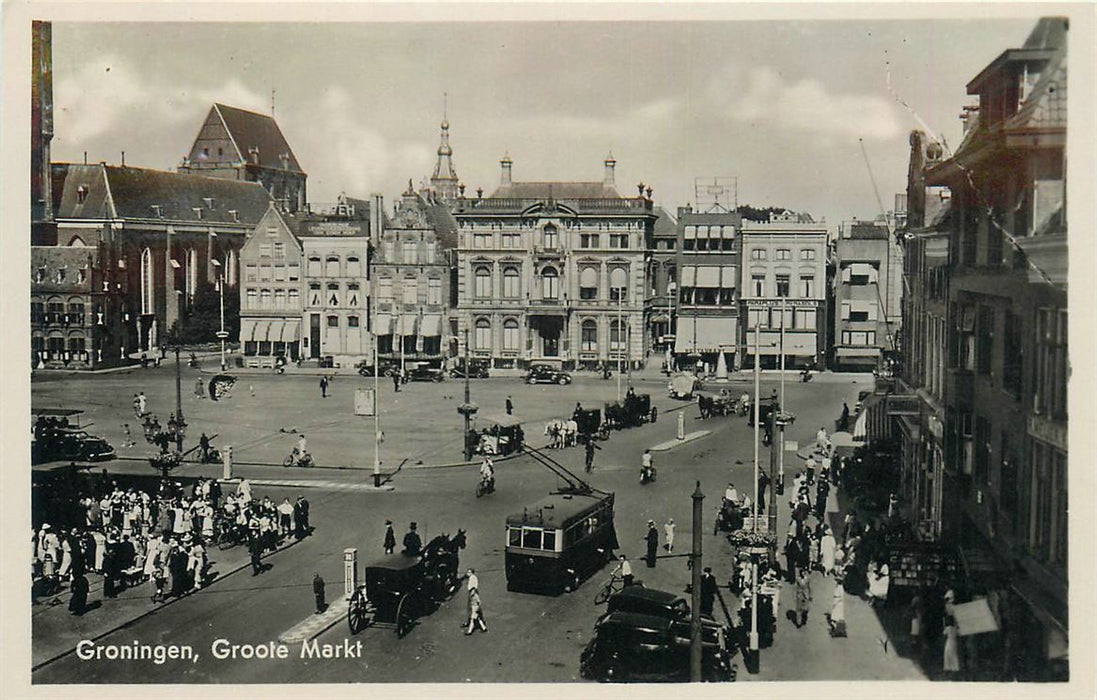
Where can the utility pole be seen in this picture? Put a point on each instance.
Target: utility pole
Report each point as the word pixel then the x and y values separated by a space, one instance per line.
pixel 467 409
pixel 695 640
pixel 178 400
pixel 222 334
pixel 620 333
pixel 754 650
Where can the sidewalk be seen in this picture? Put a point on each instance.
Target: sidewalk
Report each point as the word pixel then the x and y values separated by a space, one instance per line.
pixel 55 632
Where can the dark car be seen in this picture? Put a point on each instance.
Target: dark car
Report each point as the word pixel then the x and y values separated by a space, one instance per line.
pixel 77 445
pixel 547 374
pixel 477 369
pixel 423 373
pixel 384 368
pixel 651 601
pixel 633 646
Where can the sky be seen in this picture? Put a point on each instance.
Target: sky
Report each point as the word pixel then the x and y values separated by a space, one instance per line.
pixel 782 106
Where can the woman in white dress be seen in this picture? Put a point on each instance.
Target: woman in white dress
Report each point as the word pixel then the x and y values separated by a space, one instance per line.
pixel 879 581
pixel 827 547
pixel 951 660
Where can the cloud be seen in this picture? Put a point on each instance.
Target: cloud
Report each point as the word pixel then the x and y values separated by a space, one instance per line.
pixel 763 95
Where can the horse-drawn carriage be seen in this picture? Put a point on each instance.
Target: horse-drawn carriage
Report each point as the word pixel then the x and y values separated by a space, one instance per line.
pixel 400 588
pixel 716 404
pixel 633 412
pixel 501 436
pixel 590 425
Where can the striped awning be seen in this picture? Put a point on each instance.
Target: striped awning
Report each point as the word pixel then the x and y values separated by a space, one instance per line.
pixel 382 324
pixel 407 323
pixel 247 329
pixel 291 330
pixel 432 325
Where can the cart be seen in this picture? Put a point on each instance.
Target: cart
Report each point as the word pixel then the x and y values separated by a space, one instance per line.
pixel 400 588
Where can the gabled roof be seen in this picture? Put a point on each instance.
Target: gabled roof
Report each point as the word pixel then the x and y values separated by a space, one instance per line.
pixel 253 130
pixel 557 190
pixel 140 193
pixel 444 225
pixel 1046 105
pixel 665 225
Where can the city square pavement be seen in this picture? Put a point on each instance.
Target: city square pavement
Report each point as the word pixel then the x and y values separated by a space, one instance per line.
pixel 530 637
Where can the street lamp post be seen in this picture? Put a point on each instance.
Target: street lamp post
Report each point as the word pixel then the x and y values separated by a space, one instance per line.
pixel 695 560
pixel 620 317
pixel 222 334
pixel 466 409
pixel 178 400
pixel 754 516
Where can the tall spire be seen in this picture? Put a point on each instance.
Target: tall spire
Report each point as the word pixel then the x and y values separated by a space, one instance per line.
pixel 444 180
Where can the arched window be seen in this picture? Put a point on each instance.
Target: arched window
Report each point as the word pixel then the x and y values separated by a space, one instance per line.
pixel 146 282
pixel 331 266
pixel 510 334
pixel 192 272
pixel 589 336
pixel 550 283
pixel 512 283
pixel 551 238
pixel 616 336
pixel 618 284
pixel 588 283
pixel 230 268
pixel 483 283
pixel 482 338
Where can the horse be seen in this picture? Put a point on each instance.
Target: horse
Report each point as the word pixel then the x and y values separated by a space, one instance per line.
pixel 555 429
pixel 441 561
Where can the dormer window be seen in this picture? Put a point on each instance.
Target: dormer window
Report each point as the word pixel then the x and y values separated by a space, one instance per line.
pixel 81 194
pixel 82 275
pixel 40 275
pixel 198 212
pixel 209 202
pixel 60 275
pixel 157 211
pixel 234 214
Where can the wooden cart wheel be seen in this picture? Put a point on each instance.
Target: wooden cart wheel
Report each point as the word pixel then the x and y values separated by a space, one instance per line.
pixel 404 620
pixel 356 612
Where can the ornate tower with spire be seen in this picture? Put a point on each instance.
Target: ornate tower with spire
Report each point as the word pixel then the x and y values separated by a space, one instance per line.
pixel 444 180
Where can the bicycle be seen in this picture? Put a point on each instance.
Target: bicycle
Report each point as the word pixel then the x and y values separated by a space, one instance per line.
pixel 615 584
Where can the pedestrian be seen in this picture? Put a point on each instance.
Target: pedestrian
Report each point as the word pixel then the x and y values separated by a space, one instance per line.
pixel 128 439
pixel 255 548
pixel 78 603
pixel 302 506
pixel 412 543
pixel 951 659
pixel 836 618
pixel 792 555
pixel 625 569
pixel 390 538
pixel 323 387
pixel 318 592
pixel 708 591
pixel 203 445
pixel 142 404
pixel 652 539
pixel 510 406
pixel 879 581
pixel 803 598
pixel 200 388
pixel 285 517
pixel 476 612
pixel 668 533
pixel 917 613
pixel 843 422
pixel 590 448
pixel 396 380
pixel 473 580
pixel 136 405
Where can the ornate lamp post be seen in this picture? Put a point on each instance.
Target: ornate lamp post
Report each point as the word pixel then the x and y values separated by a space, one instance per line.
pixel 467 409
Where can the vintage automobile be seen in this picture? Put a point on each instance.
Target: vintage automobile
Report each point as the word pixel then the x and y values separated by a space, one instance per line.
pixel 422 372
pixel 547 374
pixel 385 368
pixel 477 369
pixel 401 588
pixel 635 646
pixel 56 437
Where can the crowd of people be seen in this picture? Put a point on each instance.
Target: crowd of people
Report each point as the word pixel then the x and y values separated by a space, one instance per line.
pixel 131 536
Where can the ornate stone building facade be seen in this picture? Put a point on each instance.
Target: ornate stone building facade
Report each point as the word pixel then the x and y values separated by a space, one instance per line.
pixel 554 271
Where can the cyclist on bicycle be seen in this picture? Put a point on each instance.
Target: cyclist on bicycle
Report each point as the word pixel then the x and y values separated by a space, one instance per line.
pixel 487 472
pixel 625 570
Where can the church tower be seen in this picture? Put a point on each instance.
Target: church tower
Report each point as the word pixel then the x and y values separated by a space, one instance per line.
pixel 444 180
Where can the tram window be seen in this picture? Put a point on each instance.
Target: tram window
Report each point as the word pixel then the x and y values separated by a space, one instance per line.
pixel 531 539
pixel 514 536
pixel 550 540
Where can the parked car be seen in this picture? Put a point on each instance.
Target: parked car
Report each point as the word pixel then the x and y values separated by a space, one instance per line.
pixel 422 372
pixel 651 601
pixel 384 367
pixel 634 646
pixel 547 374
pixel 477 369
pixel 74 444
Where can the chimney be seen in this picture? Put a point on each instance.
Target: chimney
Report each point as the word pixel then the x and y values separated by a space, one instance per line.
pixel 506 163
pixel 123 159
pixel 611 164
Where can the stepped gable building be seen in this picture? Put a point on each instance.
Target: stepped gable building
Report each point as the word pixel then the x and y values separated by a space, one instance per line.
pixel 158 236
pixel 413 274
pixel 784 265
pixel 707 331
pixel 236 144
pixel 867 296
pixel 554 272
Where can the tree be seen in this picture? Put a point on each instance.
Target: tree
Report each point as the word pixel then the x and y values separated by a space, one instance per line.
pixel 202 319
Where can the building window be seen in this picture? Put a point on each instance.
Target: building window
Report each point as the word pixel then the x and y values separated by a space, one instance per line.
pixel 331 266
pixel 756 318
pixel 512 240
pixel 333 294
pixel 588 283
pixel 550 237
pixel 76 313
pixel 192 272
pixel 411 290
pixel 264 273
pixel 858 315
pixel 333 321
pixel 616 336
pixel 251 272
pixel 758 285
pixel 982 449
pixel 807 286
pixel 859 338
pixel 434 291
pixel 279 273
pixel 784 254
pixel 252 295
pixel 805 319
pixel 37 312
pixel 1012 355
pixel 758 254
pixel 411 253
pixel 984 343
pixel 147 283
pixel 293 272
pixel 1048 506
pixel 279 298
pixel 589 336
pixel 512 283
pixel 550 283
pixel 352 322
pixel 618 285
pixel 589 240
pixel 618 241
pixel 510 334
pixel 314 268
pixel 264 298
pixel 384 288
pixel 481 240
pixel 279 251
pixel 782 285
pixel 264 250
pixel 1050 381
pixel 483 334
pixel 807 254
pixel 354 266
pixel 483 283
pixel 294 299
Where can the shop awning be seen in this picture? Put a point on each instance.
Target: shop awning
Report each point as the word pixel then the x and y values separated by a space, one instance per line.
pixel 291 330
pixel 706 334
pixel 974 617
pixel 689 274
pixel 247 329
pixel 274 331
pixel 660 318
pixel 407 323
pixel 690 232
pixel 708 276
pixel 860 426
pixel 262 327
pixel 729 277
pixel 382 324
pixel 432 325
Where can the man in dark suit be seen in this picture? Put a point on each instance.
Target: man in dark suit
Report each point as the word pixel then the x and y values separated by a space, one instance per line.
pixel 412 543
